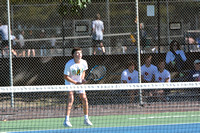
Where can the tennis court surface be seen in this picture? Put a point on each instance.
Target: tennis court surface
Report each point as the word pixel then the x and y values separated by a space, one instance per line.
pixel 111 110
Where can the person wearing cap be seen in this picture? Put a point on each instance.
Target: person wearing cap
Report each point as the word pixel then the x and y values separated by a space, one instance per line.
pixel 194 75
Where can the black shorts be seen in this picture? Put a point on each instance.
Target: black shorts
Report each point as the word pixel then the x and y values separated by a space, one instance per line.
pixel 96 42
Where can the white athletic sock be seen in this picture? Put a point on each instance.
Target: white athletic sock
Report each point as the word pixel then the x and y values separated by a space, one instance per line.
pixel 67 118
pixel 86 117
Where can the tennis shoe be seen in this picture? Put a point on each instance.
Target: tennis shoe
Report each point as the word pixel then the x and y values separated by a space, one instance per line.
pixel 87 122
pixel 67 124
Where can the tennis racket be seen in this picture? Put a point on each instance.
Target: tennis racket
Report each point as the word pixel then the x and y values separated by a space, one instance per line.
pixel 96 73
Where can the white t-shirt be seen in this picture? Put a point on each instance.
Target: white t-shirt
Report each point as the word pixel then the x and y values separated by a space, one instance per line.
pixel 21 40
pixel 129 77
pixel 4 32
pixel 161 77
pixel 99 27
pixel 148 72
pixel 75 70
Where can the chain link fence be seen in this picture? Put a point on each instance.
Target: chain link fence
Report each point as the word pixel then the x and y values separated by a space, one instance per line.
pixel 41 51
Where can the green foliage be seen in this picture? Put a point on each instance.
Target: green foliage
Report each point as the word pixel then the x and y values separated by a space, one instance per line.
pixel 73 7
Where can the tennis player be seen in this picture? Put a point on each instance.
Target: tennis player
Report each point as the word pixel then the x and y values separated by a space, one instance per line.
pixel 74 74
pixel 97 35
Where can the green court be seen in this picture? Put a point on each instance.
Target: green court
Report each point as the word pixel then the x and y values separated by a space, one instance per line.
pixel 103 121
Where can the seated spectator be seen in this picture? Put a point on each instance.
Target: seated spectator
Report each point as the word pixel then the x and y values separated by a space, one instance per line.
pixel 175 58
pixel 148 72
pixel 194 75
pixel 130 75
pixel 162 75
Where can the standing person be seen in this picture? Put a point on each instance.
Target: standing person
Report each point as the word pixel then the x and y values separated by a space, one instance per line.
pixel 14 45
pixel 74 74
pixel 175 58
pixel 162 75
pixel 130 75
pixel 143 36
pixel 22 44
pixel 31 44
pixel 97 33
pixel 148 72
pixel 4 37
pixel 53 44
pixel 43 50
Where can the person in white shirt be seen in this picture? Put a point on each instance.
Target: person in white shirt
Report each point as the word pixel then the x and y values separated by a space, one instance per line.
pixel 162 75
pixel 130 75
pixel 148 72
pixel 74 73
pixel 175 58
pixel 97 34
pixel 4 38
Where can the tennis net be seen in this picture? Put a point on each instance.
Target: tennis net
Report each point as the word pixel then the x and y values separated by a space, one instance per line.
pixel 119 108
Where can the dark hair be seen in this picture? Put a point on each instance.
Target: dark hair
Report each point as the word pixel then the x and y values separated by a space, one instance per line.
pixel 174 42
pixel 98 16
pixel 147 56
pixel 160 60
pixel 130 63
pixel 75 49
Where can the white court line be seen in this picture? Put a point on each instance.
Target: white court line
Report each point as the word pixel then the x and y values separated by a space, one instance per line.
pixel 162 117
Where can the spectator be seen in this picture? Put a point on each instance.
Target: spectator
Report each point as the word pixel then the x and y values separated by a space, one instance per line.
pixel 194 75
pixel 22 44
pixel 14 45
pixel 130 75
pixel 53 44
pixel 4 37
pixel 143 36
pixel 97 34
pixel 175 58
pixel 162 75
pixel 31 44
pixel 43 50
pixel 148 72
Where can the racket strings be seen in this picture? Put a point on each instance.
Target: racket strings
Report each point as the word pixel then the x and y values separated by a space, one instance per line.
pixel 99 72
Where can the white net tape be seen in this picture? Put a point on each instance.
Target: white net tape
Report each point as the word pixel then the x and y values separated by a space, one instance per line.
pixel 136 86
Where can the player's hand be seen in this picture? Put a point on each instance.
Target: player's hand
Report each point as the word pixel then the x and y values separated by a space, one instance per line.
pixel 78 83
pixel 84 81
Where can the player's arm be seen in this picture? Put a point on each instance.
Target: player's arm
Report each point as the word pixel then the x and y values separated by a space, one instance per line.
pixel 66 77
pixel 167 79
pixel 83 78
pixel 124 81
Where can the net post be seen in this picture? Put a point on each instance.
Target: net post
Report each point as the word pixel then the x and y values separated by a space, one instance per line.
pixel 10 52
pixel 138 47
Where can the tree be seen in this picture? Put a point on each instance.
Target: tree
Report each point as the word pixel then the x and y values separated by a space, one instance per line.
pixel 73 7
